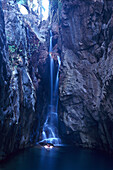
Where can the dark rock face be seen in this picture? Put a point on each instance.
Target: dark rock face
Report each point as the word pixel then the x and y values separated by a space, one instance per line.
pixel 23 86
pixel 4 77
pixel 86 76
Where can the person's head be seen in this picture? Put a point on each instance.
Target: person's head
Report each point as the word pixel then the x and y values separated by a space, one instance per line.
pixel 48 144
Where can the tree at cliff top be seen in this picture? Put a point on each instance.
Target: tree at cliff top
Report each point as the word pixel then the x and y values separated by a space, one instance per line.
pixel 40 7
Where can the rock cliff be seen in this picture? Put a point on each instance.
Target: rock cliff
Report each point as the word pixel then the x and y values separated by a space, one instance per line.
pixel 23 77
pixel 86 75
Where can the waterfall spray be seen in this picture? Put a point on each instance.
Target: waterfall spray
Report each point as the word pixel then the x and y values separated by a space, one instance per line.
pixel 50 128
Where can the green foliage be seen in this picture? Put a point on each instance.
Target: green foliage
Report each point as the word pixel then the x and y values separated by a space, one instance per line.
pixel 55 3
pixel 59 5
pixel 59 10
pixel 16 66
pixel 11 48
pixel 20 50
pixel 8 38
pixel 21 1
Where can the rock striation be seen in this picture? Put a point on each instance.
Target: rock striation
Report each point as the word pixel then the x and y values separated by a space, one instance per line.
pixel 23 77
pixel 86 75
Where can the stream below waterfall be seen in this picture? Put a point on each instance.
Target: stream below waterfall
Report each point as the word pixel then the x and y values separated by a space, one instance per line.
pixel 63 158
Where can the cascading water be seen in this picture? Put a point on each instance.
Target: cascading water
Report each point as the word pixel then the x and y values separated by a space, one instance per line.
pixel 50 128
pixel 51 67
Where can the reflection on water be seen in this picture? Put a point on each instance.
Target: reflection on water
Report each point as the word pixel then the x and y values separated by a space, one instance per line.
pixel 64 158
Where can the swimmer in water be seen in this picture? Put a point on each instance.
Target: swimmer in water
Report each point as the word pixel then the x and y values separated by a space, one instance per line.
pixel 48 146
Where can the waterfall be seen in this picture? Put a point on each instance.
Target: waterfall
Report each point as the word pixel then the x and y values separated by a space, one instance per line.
pixel 50 128
pixel 51 67
pixel 57 83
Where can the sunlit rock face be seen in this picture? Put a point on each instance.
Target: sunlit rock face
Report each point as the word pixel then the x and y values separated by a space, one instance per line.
pixel 86 75
pixel 22 86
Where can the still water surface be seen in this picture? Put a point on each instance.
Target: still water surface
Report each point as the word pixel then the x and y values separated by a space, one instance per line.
pixel 64 158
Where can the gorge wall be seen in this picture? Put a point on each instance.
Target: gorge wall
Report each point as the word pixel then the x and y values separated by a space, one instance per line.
pixel 23 77
pixel 86 75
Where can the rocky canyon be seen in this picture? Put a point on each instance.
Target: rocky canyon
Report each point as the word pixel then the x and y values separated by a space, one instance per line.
pixel 82 36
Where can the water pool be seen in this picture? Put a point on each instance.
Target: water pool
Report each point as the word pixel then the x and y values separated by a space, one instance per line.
pixel 63 158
